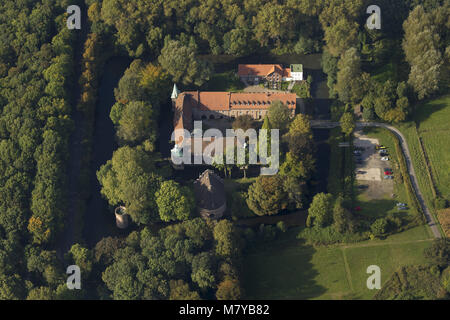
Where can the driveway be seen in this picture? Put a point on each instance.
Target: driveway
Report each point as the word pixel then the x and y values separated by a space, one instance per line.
pixel 370 172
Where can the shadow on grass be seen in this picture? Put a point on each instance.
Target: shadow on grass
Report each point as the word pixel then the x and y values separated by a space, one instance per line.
pixel 375 208
pixel 280 271
pixel 426 109
pixel 225 81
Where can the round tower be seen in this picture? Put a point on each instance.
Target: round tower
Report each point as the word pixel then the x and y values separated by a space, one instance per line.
pixel 121 217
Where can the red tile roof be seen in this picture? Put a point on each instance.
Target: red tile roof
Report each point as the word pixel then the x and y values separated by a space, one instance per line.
pixel 224 101
pixel 262 70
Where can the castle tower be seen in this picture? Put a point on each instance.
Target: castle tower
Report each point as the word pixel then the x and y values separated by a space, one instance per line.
pixel 174 95
pixel 121 217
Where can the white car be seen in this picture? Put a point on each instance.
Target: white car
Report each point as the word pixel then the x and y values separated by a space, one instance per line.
pixel 385 158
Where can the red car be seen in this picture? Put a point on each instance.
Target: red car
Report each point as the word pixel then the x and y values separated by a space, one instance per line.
pixel 358 208
pixel 387 173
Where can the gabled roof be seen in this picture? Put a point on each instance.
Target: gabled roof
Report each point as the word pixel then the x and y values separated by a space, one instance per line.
pixel 261 70
pixel 209 191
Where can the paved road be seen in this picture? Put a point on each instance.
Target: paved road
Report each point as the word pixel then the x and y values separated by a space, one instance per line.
pixel 404 145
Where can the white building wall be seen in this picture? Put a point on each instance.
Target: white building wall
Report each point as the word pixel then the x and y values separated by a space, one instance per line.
pixel 297 76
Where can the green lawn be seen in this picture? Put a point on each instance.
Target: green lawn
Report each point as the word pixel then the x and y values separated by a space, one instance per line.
pixel 288 269
pixel 388 257
pixel 438 153
pixel 225 81
pixel 432 119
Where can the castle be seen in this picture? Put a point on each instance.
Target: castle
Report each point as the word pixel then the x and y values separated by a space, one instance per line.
pixel 199 105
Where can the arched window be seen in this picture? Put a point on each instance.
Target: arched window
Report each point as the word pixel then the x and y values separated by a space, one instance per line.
pixel 212 116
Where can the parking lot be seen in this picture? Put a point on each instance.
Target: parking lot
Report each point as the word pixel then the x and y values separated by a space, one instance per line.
pixel 370 169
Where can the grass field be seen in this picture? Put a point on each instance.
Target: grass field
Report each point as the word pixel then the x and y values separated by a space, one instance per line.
pixel 432 119
pixel 430 124
pixel 289 269
pixel 225 81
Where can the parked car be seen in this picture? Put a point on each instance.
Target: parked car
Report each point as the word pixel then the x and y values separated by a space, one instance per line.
pixel 402 208
pixel 380 146
pixel 401 204
pixel 388 177
pixel 356 152
pixel 388 173
pixel 387 169
pixel 361 172
pixel 358 208
pixel 384 154
pixel 384 158
pixel 363 186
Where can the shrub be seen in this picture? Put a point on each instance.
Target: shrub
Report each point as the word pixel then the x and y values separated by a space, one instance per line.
pixel 379 227
pixel 440 203
pixel 281 226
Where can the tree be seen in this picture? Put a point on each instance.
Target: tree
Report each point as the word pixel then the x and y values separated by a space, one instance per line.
pixel 341 217
pixel 182 64
pixel 130 178
pixel 41 293
pixel 83 258
pixel 347 122
pixel 439 252
pixel 379 227
pixel 155 81
pixel 106 248
pixel 225 237
pixel 174 201
pixel 238 42
pixel 296 167
pixel 202 270
pixel 179 290
pixel 300 125
pixel 341 36
pixel 330 67
pixel 279 116
pixel 229 289
pixel 320 211
pixel 350 80
pixel 129 87
pixel 269 30
pixel 300 139
pixel 120 277
pixel 11 287
pixel 421 47
pixel 295 191
pixel 266 195
pixel 243 122
pixel 138 122
pixel 267 142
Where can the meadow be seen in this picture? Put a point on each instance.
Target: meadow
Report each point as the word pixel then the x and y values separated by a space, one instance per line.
pixel 432 120
pixel 289 269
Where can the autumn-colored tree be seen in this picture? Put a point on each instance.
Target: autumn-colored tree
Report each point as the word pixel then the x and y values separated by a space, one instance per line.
pixel 41 233
pixel 229 289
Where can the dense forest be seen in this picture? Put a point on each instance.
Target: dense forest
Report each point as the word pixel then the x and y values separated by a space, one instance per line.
pixel 191 259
